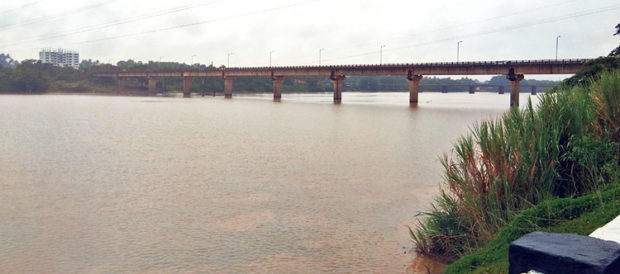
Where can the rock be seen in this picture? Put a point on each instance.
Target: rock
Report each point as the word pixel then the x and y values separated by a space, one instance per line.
pixel 563 253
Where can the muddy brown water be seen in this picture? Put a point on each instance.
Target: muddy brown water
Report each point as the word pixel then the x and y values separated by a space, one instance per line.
pixel 155 184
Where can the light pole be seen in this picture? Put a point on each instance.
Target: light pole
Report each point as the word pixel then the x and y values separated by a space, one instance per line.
pixel 458 50
pixel 192 60
pixel 320 51
pixel 271 52
pixel 228 59
pixel 381 54
pixel 557 40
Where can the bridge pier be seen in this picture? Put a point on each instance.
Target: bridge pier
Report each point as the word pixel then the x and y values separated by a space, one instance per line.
pixel 338 79
pixel 414 87
pixel 277 87
pixel 121 83
pixel 187 86
pixel 515 80
pixel 472 89
pixel 152 84
pixel 228 86
pixel 533 90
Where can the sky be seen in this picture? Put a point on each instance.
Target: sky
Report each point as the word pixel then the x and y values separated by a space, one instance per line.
pixel 246 32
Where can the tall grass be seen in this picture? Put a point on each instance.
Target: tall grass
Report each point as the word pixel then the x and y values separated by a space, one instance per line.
pixel 566 146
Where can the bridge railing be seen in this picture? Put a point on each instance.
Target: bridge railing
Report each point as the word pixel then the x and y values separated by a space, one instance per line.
pixel 367 66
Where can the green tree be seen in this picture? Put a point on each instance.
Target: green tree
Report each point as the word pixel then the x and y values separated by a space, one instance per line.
pixel 29 76
pixel 616 51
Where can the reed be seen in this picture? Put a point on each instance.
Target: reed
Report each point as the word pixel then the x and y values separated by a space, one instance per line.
pixel 566 146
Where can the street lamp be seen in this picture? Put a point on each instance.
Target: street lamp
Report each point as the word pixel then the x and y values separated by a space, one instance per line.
pixel 557 40
pixel 271 52
pixel 228 59
pixel 192 60
pixel 381 54
pixel 458 50
pixel 320 51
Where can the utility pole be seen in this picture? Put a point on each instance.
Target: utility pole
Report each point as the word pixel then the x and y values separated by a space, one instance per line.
pixel 557 40
pixel 320 51
pixel 228 59
pixel 458 49
pixel 381 54
pixel 271 52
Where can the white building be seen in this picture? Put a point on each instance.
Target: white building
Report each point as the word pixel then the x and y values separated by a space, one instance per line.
pixel 60 57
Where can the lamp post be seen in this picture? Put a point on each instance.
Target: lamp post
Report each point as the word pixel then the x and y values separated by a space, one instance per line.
pixel 228 59
pixel 557 41
pixel 270 53
pixel 320 51
pixel 381 54
pixel 192 60
pixel 458 50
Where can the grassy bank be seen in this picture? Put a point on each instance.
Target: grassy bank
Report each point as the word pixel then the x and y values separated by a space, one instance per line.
pixel 582 216
pixel 566 147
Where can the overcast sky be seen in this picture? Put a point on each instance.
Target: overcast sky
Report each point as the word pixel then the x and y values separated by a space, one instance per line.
pixel 350 31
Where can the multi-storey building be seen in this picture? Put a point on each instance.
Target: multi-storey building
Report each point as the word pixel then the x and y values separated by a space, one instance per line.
pixel 60 57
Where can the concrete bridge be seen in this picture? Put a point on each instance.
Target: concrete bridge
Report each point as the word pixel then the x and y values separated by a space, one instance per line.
pixel 514 71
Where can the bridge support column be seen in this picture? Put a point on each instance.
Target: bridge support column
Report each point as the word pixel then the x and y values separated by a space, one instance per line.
pixel 187 86
pixel 414 87
pixel 533 90
pixel 277 87
pixel 152 84
pixel 228 86
pixel 515 80
pixel 472 89
pixel 338 79
pixel 121 83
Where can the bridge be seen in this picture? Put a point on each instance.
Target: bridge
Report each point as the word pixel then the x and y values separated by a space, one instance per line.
pixel 471 88
pixel 514 71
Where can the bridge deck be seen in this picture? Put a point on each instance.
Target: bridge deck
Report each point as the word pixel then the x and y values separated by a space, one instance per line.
pixel 565 66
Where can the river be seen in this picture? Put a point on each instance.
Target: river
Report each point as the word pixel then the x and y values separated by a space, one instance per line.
pixel 108 184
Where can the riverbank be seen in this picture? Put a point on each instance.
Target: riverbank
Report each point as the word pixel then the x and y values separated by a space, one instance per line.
pixel 580 216
pixel 566 147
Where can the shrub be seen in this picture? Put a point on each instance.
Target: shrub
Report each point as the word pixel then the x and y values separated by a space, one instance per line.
pixel 566 147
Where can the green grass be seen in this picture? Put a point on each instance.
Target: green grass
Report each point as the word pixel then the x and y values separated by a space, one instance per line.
pixel 581 216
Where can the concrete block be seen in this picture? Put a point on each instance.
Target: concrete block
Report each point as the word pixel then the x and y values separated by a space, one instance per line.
pixel 563 253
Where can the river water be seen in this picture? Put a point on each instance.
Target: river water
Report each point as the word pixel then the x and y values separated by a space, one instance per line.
pixel 109 184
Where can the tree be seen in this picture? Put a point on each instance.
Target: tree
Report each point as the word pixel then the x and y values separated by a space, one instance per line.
pixel 6 61
pixel 29 77
pixel 616 51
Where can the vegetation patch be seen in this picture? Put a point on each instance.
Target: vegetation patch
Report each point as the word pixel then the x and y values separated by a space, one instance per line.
pixel 580 215
pixel 566 147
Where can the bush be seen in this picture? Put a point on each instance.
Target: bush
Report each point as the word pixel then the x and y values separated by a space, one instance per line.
pixel 566 147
